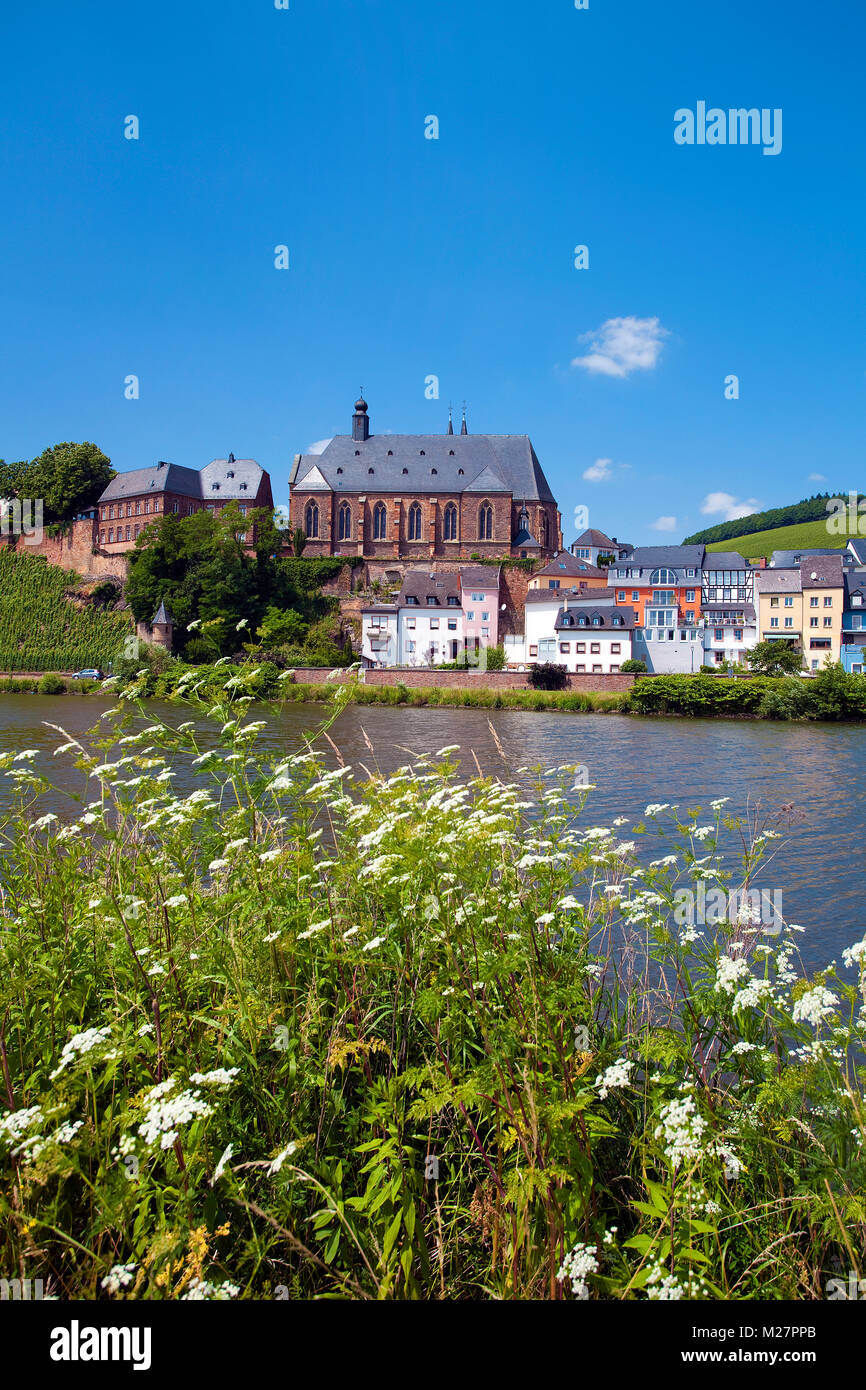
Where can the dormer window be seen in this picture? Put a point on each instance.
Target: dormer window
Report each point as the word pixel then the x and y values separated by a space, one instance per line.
pixel 390 453
pixel 411 601
pixel 230 473
pixel 405 470
pixel 423 452
pixel 856 600
pixel 434 470
pixel 581 622
pixel 215 487
pixel 369 470
pixel 243 487
pixel 432 601
pixel 339 470
pixel 460 472
pixel 596 622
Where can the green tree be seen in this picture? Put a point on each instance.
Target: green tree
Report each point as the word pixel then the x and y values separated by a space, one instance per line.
pixel 775 659
pixel 68 477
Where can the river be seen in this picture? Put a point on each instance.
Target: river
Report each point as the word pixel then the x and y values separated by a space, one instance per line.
pixel 816 770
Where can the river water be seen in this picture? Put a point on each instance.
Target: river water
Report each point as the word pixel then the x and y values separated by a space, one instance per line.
pixel 816 771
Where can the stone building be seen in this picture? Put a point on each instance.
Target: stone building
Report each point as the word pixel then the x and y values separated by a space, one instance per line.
pixel 140 497
pixel 421 497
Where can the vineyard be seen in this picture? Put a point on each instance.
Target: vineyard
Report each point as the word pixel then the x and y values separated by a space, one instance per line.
pixel 41 630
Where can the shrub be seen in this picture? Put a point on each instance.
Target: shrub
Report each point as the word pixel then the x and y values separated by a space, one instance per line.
pixel 51 685
pixel 635 665
pixel 545 675
pixel 496 658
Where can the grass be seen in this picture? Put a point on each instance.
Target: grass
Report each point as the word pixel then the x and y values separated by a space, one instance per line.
pixel 803 537
pixel 311 1032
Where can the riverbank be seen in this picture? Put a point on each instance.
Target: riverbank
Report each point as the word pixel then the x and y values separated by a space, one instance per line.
pixel 419 1051
pixel 831 695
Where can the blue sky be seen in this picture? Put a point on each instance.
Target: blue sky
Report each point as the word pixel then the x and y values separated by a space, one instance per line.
pixel 453 257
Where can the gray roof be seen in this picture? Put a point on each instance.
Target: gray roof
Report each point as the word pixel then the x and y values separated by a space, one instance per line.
pixel 786 559
pixel 778 581
pixel 483 463
pixel 162 477
pixel 827 569
pixel 480 576
pixel 162 614
pixel 421 584
pixel 857 546
pixel 724 560
pixel 236 479
pixel 625 617
pixel 567 564
pixel 652 557
pixel 596 539
pixel 606 598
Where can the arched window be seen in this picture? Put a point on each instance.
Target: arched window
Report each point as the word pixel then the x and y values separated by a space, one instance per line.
pixel 449 529
pixel 311 521
pixel 415 522
pixel 545 529
pixel 596 622
pixel 344 529
pixel 380 522
pixel 616 622
pixel 663 577
pixel 581 622
pixel 567 621
pixel 485 522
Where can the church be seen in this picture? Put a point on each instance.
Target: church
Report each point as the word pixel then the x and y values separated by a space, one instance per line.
pixel 421 497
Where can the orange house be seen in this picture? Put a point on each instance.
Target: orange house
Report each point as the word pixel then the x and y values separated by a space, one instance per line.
pixel 662 583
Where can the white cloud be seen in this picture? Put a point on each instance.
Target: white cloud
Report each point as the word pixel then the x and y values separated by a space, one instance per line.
pixel 817 478
pixel 319 447
pixel 664 523
pixel 623 345
pixel 726 506
pixel 599 472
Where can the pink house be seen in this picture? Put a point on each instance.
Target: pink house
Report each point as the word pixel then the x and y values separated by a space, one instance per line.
pixel 479 599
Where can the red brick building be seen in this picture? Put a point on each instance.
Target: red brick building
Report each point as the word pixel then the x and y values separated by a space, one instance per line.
pixel 139 498
pixel 419 497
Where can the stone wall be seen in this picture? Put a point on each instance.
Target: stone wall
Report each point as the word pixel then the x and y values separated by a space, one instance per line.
pixel 488 680
pixel 75 551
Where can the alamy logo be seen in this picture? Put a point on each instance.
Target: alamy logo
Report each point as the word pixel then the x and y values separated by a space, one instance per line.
pixel 744 907
pixel 22 516
pixel 77 1343
pixel 21 1290
pixel 737 126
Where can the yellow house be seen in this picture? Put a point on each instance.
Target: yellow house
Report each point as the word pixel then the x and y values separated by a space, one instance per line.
pixel 823 594
pixel 804 606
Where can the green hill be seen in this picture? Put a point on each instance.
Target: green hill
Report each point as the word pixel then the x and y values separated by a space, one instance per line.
pixel 809 535
pixel 809 509
pixel 42 629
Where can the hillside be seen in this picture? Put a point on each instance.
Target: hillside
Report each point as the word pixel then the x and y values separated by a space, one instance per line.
pixel 795 513
pixel 809 535
pixel 41 629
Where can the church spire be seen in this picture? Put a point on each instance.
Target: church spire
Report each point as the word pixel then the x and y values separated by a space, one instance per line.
pixel 463 429
pixel 450 420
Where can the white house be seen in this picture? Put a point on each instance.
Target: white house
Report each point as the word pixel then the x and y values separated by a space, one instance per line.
pixel 584 631
pixel 436 618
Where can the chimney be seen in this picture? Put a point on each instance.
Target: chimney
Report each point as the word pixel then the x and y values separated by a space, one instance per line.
pixel 360 422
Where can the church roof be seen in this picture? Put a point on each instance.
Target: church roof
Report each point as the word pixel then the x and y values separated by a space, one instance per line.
pixel 162 614
pixel 426 464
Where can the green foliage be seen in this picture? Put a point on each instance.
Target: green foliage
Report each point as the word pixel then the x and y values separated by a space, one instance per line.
pixel 496 658
pixel 299 542
pixel 546 675
pixel 68 477
pixel 832 695
pixel 51 685
pixel 634 665
pixel 209 580
pixel 42 630
pixel 810 509
pixel 238 1026
pixel 775 658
